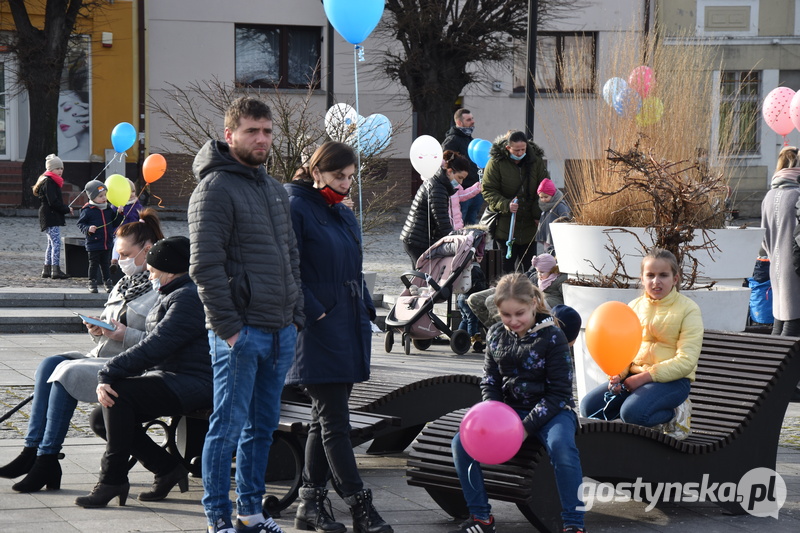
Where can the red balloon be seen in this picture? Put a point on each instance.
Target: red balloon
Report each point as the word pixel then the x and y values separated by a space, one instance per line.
pixel 154 167
pixel 491 432
pixel 613 336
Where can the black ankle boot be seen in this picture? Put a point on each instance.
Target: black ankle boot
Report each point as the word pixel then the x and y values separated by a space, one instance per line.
pixel 312 515
pixel 56 273
pixel 365 518
pixel 46 271
pixel 163 484
pixel 22 464
pixel 102 494
pixel 46 470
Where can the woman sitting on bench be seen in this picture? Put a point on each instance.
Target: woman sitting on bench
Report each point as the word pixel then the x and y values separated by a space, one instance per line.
pixel 166 374
pixel 655 387
pixel 528 366
pixel 61 381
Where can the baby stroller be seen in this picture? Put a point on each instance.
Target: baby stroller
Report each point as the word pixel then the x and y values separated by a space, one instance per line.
pixel 443 270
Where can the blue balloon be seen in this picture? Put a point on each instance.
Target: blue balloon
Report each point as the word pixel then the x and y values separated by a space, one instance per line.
pixel 123 136
pixel 354 20
pixel 480 153
pixel 627 103
pixel 612 88
pixel 374 135
pixel 472 144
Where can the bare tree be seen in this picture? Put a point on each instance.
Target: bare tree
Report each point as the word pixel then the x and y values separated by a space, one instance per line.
pixel 445 45
pixel 40 54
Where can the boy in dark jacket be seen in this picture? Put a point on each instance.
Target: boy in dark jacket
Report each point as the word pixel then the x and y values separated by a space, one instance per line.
pixel 98 222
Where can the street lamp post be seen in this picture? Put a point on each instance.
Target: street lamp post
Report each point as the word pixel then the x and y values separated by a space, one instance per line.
pixel 530 80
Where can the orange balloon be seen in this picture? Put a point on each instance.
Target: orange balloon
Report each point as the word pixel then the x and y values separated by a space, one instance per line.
pixel 613 336
pixel 154 167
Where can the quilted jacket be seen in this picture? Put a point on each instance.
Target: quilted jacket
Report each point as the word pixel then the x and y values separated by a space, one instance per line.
pixel 244 254
pixel 532 373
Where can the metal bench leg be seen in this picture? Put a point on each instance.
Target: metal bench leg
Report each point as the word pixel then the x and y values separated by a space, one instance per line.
pixel 284 473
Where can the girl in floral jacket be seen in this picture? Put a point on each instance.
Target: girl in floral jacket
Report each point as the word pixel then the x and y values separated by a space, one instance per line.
pixel 528 366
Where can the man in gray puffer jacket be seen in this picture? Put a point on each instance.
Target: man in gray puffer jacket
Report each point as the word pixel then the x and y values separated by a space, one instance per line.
pixel 246 265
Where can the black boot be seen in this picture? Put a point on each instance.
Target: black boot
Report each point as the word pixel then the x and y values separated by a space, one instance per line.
pixel 102 494
pixel 365 518
pixel 93 287
pixel 165 483
pixel 56 273
pixel 22 464
pixel 46 271
pixel 46 470
pixel 312 515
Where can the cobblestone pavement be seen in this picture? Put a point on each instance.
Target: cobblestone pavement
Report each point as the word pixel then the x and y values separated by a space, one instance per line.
pixel 22 248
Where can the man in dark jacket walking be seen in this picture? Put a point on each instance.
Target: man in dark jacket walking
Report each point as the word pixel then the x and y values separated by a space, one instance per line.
pixel 457 139
pixel 247 268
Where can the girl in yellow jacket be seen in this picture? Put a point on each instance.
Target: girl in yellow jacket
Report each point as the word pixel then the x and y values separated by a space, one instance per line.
pixel 658 380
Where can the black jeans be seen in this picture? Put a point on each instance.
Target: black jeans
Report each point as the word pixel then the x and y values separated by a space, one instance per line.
pixel 100 263
pixel 328 447
pixel 787 328
pixel 141 399
pixel 521 256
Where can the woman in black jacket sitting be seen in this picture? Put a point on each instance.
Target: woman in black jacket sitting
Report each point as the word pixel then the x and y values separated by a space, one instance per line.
pixel 166 374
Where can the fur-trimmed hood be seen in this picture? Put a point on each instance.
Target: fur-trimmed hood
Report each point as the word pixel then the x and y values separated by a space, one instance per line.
pixel 498 150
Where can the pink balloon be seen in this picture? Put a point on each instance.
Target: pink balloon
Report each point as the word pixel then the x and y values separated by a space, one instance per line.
pixel 491 432
pixel 642 80
pixel 776 110
pixel 794 110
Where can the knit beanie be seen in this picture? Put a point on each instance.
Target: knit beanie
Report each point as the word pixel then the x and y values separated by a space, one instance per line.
pixel 93 188
pixel 53 162
pixel 170 255
pixel 547 187
pixel 568 320
pixel 543 263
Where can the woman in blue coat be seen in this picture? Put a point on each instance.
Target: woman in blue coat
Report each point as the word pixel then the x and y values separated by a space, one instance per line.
pixel 333 350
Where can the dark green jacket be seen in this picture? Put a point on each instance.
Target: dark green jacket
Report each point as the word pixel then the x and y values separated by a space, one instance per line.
pixel 504 179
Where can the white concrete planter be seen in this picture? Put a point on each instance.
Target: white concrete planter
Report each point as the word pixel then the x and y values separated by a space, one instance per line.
pixel 579 247
pixel 723 308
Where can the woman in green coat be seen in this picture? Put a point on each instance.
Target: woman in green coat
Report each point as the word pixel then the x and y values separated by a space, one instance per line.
pixel 515 169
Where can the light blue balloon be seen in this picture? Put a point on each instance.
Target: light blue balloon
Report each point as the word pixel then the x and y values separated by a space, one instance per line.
pixel 627 103
pixel 123 136
pixel 612 88
pixel 480 153
pixel 354 19
pixel 374 135
pixel 471 147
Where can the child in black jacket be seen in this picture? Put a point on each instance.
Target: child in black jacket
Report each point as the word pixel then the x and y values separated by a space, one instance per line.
pixel 98 222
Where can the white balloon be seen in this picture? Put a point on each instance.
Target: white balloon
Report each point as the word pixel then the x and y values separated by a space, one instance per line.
pixel 426 156
pixel 340 121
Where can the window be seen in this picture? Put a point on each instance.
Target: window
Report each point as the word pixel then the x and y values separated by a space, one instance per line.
pixel 740 112
pixel 277 56
pixel 565 62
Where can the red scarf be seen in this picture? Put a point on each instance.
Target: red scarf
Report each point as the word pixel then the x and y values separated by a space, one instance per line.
pixel 56 178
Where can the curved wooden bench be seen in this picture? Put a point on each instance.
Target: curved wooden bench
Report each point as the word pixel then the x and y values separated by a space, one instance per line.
pixel 743 387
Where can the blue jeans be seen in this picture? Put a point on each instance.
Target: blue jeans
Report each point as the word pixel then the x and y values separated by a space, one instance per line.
pixel 649 405
pixel 469 322
pixel 558 438
pixel 470 209
pixel 51 410
pixel 248 381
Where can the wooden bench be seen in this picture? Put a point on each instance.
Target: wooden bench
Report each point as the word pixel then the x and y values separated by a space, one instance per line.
pixel 744 385
pixel 415 397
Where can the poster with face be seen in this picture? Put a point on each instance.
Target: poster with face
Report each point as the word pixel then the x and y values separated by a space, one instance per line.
pixel 74 121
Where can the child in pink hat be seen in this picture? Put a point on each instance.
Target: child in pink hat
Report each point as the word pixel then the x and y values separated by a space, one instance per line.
pixel 553 206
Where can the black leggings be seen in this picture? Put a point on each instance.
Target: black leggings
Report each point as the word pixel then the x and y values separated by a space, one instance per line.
pixel 140 400
pixel 787 328
pixel 328 447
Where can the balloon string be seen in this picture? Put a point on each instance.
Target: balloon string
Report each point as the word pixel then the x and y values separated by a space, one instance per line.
pixel 358 53
pixel 469 474
pixel 159 201
pixel 121 155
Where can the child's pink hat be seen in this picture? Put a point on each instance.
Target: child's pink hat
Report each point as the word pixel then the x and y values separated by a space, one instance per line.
pixel 547 187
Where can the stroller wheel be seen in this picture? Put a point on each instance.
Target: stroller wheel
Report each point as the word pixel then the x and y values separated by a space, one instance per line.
pixel 388 340
pixel 422 344
pixel 407 344
pixel 460 342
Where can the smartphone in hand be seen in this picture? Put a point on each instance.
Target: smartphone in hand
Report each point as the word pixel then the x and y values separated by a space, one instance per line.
pixel 96 322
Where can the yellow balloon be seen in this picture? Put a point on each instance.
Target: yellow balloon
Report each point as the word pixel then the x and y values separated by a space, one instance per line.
pixel 651 112
pixel 119 190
